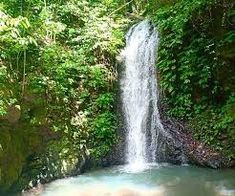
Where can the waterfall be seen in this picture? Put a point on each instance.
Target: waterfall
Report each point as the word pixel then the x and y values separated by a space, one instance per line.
pixel 140 95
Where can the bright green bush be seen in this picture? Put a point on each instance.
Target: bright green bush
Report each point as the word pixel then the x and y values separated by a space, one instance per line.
pixel 195 62
pixel 57 62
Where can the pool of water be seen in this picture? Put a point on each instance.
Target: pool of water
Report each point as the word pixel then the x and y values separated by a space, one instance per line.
pixel 155 180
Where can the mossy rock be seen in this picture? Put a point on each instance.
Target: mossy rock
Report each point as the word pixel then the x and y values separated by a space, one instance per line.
pixel 16 143
pixel 58 158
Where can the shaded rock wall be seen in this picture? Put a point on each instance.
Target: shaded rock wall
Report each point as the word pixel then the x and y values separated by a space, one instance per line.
pixel 34 154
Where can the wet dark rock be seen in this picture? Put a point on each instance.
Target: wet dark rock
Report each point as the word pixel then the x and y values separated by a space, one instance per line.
pixel 182 148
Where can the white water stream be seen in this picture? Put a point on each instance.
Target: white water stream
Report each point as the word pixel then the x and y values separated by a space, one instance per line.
pixel 140 95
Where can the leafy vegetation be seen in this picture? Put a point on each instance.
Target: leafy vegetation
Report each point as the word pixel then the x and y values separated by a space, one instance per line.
pixel 59 59
pixel 196 57
pixel 58 78
pixel 57 70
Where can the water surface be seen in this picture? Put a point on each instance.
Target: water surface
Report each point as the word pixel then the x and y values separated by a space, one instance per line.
pixel 156 180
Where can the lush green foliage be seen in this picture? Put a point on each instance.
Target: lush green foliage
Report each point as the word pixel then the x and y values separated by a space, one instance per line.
pixel 196 57
pixel 58 74
pixel 57 66
pixel 215 126
pixel 58 78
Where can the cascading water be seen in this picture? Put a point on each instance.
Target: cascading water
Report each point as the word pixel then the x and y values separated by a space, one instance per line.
pixel 140 95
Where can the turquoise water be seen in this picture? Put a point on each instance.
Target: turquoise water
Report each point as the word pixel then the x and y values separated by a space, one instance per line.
pixel 156 180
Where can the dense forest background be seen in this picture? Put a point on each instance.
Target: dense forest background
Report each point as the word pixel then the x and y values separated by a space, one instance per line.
pixel 59 78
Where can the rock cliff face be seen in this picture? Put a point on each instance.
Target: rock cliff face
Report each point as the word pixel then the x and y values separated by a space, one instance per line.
pixel 30 155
